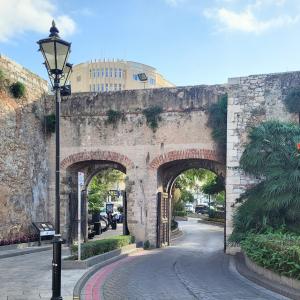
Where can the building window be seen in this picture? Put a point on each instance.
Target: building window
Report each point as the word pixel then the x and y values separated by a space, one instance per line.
pixel 106 72
pixel 94 88
pixel 152 81
pixel 106 87
pixel 98 72
pixel 120 87
pixel 102 87
pixel 102 70
pixel 90 87
pixel 90 73
pixel 95 72
pixel 111 87
pixel 120 73
pixel 110 72
pixel 116 73
pixel 98 87
pixel 116 87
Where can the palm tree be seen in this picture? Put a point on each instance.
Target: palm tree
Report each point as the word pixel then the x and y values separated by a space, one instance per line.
pixel 272 156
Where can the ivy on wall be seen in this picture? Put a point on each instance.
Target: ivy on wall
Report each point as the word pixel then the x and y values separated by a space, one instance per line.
pixel 153 117
pixel 217 120
pixel 114 116
pixel 49 123
pixel 292 101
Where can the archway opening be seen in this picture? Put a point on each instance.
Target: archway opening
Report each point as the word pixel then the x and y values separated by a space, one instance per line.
pixel 104 182
pixel 198 188
pixel 106 204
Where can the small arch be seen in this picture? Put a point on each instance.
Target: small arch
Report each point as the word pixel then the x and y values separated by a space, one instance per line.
pixel 203 154
pixel 97 155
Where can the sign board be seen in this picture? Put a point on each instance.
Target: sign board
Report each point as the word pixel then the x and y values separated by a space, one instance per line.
pixel 81 179
pixel 44 229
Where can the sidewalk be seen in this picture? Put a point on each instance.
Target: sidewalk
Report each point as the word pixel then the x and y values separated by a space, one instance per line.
pixel 26 274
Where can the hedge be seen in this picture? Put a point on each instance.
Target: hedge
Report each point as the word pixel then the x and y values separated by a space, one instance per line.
pixel 275 251
pixel 180 213
pixel 93 248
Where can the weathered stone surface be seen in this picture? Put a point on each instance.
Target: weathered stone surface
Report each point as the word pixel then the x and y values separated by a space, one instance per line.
pixel 23 161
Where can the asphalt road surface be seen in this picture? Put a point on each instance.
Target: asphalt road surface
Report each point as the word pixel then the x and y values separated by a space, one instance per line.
pixel 194 267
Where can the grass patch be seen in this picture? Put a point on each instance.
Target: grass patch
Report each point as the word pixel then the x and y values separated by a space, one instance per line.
pixel 279 252
pixel 93 248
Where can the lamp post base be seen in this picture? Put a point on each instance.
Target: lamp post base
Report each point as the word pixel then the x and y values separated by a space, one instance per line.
pixel 56 268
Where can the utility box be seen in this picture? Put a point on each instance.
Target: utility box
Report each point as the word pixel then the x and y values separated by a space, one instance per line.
pixel 45 229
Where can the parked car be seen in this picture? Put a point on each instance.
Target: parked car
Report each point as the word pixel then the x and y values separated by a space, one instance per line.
pixel 201 209
pixel 189 208
pixel 116 214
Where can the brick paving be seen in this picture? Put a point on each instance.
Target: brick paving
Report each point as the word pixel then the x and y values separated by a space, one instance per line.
pixel 194 267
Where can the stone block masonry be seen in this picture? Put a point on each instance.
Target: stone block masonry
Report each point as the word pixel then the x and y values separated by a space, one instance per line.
pixel 23 159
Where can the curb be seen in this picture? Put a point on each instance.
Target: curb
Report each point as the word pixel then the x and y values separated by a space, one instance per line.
pixel 245 271
pixel 86 276
pixel 211 223
pixel 23 252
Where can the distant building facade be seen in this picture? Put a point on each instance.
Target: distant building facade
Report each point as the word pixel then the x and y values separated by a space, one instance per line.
pixel 114 75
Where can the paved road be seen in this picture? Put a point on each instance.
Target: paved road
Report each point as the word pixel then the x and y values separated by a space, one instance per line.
pixel 194 267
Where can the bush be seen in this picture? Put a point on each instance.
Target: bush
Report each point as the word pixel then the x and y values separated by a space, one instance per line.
pixel 114 116
pixel 279 252
pixel 50 123
pixel 2 75
pixel 93 248
pixel 17 89
pixel 180 213
pixel 152 115
pixel 146 245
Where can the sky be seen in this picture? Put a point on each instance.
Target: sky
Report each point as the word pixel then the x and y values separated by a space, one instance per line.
pixel 190 42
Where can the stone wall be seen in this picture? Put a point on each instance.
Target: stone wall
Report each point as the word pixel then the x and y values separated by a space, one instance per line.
pixel 23 159
pixel 253 99
pixel 86 137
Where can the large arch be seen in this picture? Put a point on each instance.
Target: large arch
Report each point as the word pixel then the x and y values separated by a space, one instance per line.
pixel 169 166
pixel 90 163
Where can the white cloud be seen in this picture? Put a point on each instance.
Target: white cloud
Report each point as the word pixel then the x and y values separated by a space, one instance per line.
pixel 19 16
pixel 251 18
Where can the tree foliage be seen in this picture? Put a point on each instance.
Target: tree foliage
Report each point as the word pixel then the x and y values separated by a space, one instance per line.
pixel 100 187
pixel 213 185
pixel 272 156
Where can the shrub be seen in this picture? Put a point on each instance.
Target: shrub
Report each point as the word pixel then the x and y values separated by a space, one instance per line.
pixel 17 89
pixel 2 75
pixel 93 248
pixel 279 252
pixel 146 245
pixel 180 213
pixel 114 116
pixel 152 115
pixel 50 123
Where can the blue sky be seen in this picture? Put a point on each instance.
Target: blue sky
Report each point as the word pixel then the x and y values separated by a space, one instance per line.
pixel 189 41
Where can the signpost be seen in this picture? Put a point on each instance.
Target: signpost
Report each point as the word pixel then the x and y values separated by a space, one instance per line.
pixel 80 185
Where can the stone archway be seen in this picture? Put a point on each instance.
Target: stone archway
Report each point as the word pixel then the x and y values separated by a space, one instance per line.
pixel 90 163
pixel 169 166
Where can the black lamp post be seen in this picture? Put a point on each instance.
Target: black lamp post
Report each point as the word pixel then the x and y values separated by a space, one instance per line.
pixel 56 52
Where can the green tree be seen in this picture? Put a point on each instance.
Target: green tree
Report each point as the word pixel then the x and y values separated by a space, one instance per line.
pixel 100 187
pixel 272 156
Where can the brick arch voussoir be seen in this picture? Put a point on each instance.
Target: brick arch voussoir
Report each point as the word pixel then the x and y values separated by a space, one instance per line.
pixel 97 155
pixel 184 154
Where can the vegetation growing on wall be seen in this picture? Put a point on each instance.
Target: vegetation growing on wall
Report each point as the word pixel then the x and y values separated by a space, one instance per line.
pixel 17 89
pixel 114 116
pixel 272 156
pixel 49 123
pixel 292 101
pixel 153 117
pixel 217 120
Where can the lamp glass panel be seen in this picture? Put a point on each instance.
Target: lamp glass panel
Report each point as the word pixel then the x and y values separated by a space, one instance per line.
pixel 66 71
pixel 49 54
pixel 62 51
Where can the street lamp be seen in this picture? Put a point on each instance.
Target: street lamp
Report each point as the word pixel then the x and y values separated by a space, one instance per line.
pixel 56 52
